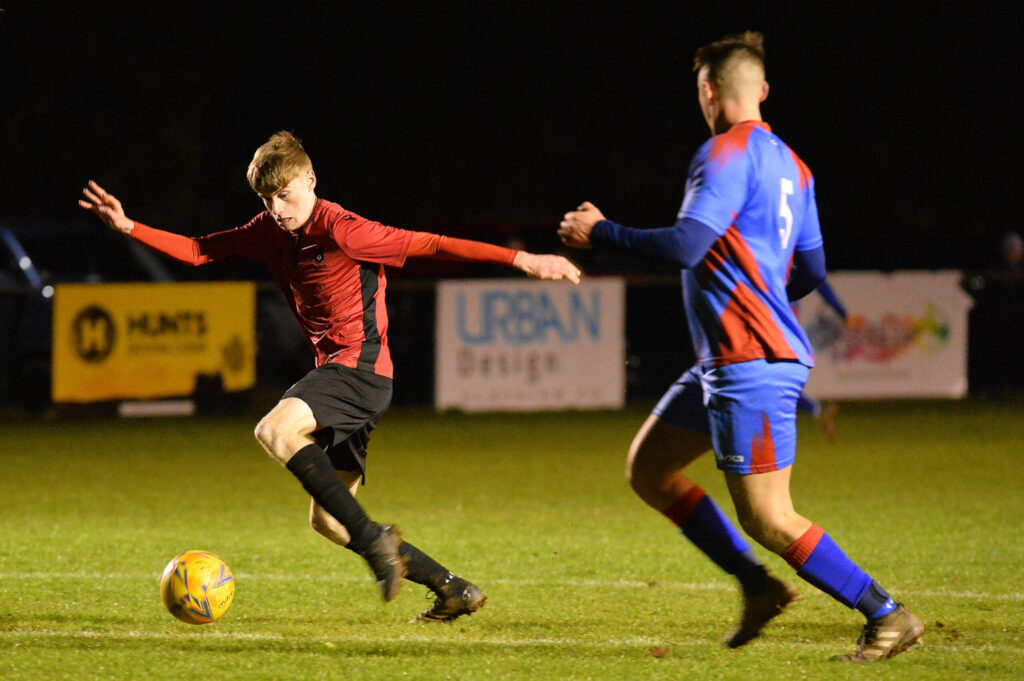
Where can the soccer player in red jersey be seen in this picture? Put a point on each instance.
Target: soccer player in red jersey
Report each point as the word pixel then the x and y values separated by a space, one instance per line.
pixel 329 264
pixel 748 241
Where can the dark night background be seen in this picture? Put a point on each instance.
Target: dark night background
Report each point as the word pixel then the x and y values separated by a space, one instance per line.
pixel 489 122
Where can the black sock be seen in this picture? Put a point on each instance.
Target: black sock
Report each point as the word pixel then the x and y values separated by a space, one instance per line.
pixel 422 568
pixel 314 469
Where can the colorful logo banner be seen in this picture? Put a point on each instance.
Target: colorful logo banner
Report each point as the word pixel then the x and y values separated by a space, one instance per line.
pixel 905 336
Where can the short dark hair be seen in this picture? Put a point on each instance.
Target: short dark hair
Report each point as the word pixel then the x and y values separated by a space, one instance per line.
pixel 747 45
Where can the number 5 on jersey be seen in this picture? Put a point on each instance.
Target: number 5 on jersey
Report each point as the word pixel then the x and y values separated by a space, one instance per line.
pixel 784 212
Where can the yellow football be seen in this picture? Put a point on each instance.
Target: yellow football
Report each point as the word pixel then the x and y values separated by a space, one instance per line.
pixel 197 587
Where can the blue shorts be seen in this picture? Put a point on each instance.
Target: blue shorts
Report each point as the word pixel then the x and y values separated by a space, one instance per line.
pixel 748 409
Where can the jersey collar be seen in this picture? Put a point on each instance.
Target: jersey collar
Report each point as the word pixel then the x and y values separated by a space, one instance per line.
pixel 756 124
pixel 310 219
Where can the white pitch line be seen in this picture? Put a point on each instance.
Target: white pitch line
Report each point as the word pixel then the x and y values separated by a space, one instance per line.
pixel 725 585
pixel 354 579
pixel 347 638
pixel 501 641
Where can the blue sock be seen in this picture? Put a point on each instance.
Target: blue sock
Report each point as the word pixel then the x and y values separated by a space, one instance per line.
pixel 703 523
pixel 820 561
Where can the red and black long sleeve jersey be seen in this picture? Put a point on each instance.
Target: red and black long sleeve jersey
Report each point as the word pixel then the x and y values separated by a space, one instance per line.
pixel 330 270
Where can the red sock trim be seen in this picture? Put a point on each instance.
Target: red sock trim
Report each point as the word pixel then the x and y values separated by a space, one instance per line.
pixel 680 510
pixel 800 550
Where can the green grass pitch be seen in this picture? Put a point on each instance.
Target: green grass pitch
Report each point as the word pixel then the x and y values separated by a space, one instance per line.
pixel 584 581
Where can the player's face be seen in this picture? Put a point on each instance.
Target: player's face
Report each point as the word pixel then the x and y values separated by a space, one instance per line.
pixel 707 97
pixel 291 205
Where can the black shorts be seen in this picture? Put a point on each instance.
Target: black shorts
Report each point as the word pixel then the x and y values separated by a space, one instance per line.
pixel 346 404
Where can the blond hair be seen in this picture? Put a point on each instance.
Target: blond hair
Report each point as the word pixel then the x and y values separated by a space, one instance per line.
pixel 277 162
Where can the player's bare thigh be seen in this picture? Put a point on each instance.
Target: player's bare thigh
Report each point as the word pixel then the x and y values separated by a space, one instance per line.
pixel 657 457
pixel 286 428
pixel 765 508
pixel 326 524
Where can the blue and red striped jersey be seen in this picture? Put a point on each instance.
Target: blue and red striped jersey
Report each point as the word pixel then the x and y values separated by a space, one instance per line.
pixel 758 196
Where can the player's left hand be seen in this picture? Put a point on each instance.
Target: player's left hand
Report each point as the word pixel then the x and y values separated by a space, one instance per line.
pixel 575 228
pixel 547 267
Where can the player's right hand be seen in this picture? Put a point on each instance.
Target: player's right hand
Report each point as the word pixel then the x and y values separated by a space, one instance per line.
pixel 105 206
pixel 547 267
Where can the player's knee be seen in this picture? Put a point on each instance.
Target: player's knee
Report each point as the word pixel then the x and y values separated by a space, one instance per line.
pixel 272 435
pixel 646 468
pixel 752 525
pixel 640 481
pixel 264 432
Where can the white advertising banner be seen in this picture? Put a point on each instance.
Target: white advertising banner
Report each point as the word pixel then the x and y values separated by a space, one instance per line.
pixel 905 336
pixel 520 345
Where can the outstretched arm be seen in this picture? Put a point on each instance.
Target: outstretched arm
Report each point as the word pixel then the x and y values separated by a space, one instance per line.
pixel 364 239
pixel 684 244
pixel 181 248
pixel 550 267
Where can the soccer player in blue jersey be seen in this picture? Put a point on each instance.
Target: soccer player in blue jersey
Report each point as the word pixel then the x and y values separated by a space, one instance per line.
pixel 749 242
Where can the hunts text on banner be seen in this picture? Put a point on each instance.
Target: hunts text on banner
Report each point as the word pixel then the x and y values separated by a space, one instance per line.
pixel 140 341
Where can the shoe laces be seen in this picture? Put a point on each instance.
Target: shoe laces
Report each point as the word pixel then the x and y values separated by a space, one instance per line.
pixel 870 633
pixel 439 595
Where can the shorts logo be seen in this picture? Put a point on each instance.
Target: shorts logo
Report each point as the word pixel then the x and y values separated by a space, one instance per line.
pixel 93 334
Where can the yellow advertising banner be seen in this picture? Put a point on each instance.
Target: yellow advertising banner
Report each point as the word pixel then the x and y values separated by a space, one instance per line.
pixel 148 340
